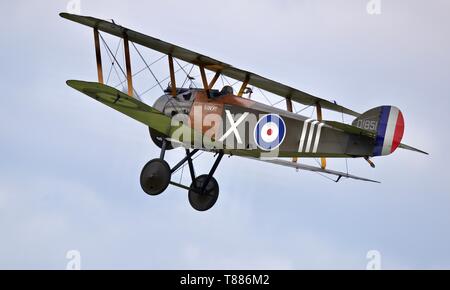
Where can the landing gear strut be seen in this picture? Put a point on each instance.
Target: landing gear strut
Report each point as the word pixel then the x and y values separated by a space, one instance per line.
pixel 204 190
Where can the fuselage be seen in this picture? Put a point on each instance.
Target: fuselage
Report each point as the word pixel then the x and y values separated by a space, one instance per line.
pixel 255 129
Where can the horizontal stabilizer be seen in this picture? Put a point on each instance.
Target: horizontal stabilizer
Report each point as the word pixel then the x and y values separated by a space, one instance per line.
pixel 313 169
pixel 407 147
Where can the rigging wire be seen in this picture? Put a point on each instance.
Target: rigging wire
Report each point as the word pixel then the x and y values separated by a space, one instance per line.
pixel 226 79
pixel 201 153
pixel 148 66
pixel 112 63
pixel 123 72
pixel 181 176
pixel 265 97
pixel 304 109
pixel 171 101
pixel 188 77
pixel 146 91
pixel 279 102
pixel 143 69
pixel 187 74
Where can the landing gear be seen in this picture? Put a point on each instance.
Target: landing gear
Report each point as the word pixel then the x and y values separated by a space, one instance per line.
pixel 206 199
pixel 156 177
pixel 158 139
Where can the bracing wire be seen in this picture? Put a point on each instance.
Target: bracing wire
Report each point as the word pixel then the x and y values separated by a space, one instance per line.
pixel 264 95
pixel 143 69
pixel 201 153
pixel 165 79
pixel 148 67
pixel 115 59
pixel 112 62
pixel 187 74
pixel 188 77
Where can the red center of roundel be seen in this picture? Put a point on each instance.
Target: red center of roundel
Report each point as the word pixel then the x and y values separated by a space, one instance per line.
pixel 269 132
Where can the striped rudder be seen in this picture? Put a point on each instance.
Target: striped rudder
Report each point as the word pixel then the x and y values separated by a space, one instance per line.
pixel 388 125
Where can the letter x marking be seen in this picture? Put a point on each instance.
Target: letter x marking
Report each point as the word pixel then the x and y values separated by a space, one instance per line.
pixel 234 126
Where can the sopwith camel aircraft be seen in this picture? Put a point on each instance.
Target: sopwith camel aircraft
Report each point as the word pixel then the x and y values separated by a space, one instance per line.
pixel 225 122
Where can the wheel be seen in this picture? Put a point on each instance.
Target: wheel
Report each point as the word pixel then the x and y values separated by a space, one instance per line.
pixel 157 138
pixel 155 177
pixel 206 200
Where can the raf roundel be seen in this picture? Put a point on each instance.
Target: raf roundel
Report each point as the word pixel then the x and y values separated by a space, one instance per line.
pixel 270 132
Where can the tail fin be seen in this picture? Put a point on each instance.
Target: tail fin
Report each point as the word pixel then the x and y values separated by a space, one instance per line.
pixel 387 123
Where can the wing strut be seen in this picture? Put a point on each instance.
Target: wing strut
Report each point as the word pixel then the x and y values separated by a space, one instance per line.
pixel 98 55
pixel 173 81
pixel 320 118
pixel 128 64
pixel 214 80
pixel 244 85
pixel 290 108
pixel 204 79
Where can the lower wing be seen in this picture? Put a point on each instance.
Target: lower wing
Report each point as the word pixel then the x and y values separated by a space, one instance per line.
pixel 298 166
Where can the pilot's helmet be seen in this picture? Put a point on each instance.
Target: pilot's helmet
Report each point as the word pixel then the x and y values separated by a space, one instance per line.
pixel 226 90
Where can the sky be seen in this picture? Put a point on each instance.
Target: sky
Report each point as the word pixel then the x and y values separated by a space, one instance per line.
pixel 69 169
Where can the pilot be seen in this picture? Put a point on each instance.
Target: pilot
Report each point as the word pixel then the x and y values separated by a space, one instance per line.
pixel 226 90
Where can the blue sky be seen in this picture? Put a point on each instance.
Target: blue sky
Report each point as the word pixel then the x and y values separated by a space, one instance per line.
pixel 69 170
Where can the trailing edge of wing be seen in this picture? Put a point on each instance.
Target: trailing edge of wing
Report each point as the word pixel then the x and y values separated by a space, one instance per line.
pixel 314 169
pixel 209 63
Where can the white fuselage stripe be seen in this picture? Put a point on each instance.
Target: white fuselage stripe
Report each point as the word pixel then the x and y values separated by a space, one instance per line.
pixel 310 137
pixel 302 139
pixel 319 132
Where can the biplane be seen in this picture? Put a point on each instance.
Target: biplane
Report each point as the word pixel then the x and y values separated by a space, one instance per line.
pixel 225 122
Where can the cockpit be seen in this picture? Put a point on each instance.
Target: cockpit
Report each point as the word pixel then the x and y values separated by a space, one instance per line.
pixel 184 99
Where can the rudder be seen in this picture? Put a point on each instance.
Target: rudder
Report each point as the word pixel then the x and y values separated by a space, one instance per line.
pixel 387 123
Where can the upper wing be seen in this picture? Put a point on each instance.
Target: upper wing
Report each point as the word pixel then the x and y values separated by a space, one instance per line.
pixel 209 63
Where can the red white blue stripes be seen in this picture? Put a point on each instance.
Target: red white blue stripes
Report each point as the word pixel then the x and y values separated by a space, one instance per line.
pixel 390 131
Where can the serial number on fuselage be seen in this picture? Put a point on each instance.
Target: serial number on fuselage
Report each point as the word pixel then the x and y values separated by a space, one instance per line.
pixel 367 125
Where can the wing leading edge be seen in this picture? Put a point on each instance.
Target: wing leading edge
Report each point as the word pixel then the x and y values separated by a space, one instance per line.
pixel 208 63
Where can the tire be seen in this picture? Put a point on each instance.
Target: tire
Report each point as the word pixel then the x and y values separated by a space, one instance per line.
pixel 155 177
pixel 206 200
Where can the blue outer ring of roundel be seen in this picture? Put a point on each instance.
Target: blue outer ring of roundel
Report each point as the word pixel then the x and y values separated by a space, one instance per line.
pixel 281 132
